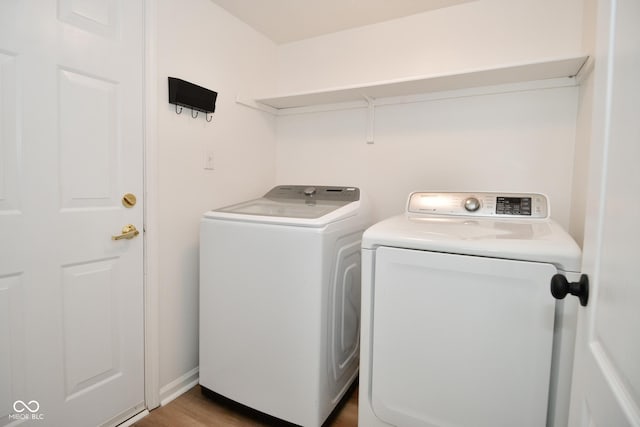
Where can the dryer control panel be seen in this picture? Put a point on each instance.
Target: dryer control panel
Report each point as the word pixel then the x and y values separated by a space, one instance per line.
pixel 480 204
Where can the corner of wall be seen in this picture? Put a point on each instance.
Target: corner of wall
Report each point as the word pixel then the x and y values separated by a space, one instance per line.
pixel 202 43
pixel 583 128
pixel 179 386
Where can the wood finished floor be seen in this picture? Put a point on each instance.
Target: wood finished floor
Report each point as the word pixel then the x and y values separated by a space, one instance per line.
pixel 194 409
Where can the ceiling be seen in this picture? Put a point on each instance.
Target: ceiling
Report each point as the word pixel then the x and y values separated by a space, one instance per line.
pixel 285 21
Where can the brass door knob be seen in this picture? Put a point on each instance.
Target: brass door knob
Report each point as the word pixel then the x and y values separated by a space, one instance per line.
pixel 129 231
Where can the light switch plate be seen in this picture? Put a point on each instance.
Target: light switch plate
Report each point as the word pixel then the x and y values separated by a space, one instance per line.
pixel 208 160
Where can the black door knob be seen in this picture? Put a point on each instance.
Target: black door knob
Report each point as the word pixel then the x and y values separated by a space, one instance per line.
pixel 560 287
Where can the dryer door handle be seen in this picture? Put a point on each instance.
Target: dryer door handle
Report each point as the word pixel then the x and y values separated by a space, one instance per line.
pixel 560 287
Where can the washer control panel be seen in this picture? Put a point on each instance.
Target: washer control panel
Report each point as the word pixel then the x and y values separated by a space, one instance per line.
pixel 480 204
pixel 314 193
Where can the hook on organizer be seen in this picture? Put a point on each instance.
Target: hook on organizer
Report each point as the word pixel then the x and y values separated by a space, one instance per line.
pixel 209 118
pixel 178 112
pixel 193 115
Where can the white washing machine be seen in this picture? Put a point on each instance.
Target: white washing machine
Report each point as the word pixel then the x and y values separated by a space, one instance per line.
pixel 280 300
pixel 459 327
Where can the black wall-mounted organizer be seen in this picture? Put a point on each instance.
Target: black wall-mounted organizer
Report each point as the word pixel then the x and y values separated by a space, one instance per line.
pixel 185 94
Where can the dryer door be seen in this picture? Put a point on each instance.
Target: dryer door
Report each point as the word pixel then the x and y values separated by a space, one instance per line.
pixel 460 340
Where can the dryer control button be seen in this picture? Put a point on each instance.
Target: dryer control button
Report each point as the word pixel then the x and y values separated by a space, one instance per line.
pixel 309 191
pixel 472 204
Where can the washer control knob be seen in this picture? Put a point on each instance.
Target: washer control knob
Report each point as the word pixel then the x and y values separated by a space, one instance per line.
pixel 309 191
pixel 472 204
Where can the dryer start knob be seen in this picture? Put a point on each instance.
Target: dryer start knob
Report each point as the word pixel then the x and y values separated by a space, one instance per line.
pixel 309 191
pixel 472 204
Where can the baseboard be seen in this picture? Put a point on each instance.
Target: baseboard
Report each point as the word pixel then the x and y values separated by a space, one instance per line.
pixel 131 421
pixel 179 386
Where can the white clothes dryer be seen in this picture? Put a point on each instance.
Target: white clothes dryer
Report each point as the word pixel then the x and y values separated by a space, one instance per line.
pixel 280 300
pixel 459 327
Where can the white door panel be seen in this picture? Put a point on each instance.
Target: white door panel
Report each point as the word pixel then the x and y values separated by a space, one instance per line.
pixel 9 147
pixel 89 134
pixel 12 367
pixel 96 17
pixel 70 148
pixel 606 385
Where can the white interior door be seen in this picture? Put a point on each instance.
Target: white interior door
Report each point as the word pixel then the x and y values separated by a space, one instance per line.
pixel 606 384
pixel 71 145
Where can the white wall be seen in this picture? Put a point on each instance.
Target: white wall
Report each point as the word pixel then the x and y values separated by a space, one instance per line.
pixel 479 34
pixel 583 130
pixel 504 142
pixel 201 43
pixel 581 160
pixel 520 141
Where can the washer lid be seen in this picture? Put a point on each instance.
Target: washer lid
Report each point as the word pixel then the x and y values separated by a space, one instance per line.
pixel 305 205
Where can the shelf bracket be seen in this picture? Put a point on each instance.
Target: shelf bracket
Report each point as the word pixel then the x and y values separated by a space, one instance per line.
pixel 256 105
pixel 370 119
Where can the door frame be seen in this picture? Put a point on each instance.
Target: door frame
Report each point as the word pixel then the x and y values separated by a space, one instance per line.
pixel 150 200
